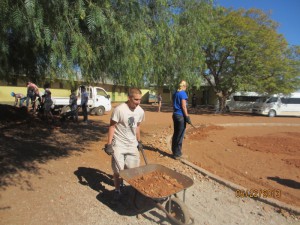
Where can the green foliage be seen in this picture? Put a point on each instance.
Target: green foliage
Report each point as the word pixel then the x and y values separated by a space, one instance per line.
pixel 245 53
pixel 140 42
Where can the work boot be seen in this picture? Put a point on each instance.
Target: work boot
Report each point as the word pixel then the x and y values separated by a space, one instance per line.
pixel 180 157
pixel 117 197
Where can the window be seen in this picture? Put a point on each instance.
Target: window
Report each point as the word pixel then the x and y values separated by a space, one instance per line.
pixel 285 100
pixel 272 99
pixel 246 98
pixel 89 91
pixel 261 99
pixel 290 100
pixel 101 92
pixel 294 100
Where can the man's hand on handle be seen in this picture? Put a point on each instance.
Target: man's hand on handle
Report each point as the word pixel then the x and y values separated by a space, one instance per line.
pixel 188 120
pixel 108 149
pixel 140 146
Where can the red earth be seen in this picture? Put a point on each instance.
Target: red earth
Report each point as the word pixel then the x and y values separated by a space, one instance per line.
pixel 257 152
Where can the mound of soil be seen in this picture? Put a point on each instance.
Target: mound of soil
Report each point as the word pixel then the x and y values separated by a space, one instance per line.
pixel 10 113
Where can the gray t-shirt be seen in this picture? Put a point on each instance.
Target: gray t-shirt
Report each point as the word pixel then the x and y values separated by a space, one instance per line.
pixel 127 120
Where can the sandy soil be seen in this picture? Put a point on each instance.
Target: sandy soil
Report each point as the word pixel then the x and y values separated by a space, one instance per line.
pixel 49 172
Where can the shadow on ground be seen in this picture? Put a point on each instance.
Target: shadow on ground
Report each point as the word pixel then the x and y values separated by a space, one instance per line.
pixel 132 203
pixel 286 182
pixel 28 141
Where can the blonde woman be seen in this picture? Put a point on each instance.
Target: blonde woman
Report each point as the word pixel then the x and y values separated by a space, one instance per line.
pixel 180 118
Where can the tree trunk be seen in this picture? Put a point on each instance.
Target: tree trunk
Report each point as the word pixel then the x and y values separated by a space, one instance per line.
pixel 221 105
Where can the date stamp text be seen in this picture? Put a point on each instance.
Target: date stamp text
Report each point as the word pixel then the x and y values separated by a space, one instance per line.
pixel 258 193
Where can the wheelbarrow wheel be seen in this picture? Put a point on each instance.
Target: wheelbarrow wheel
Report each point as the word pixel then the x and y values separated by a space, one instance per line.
pixel 65 109
pixel 178 210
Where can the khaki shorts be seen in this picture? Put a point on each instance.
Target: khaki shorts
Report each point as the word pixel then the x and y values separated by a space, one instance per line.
pixel 127 157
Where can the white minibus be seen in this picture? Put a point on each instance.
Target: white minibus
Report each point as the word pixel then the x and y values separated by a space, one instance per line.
pixel 242 101
pixel 279 105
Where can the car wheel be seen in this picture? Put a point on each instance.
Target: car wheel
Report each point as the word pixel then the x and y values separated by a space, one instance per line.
pixel 272 113
pixel 100 111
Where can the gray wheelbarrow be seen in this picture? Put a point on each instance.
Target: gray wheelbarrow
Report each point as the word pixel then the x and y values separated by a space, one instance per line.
pixel 175 209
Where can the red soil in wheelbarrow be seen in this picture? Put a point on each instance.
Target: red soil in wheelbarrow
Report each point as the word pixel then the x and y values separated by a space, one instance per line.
pixel 156 184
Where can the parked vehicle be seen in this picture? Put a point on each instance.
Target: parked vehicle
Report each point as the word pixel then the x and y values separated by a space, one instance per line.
pixel 99 101
pixel 279 105
pixel 243 101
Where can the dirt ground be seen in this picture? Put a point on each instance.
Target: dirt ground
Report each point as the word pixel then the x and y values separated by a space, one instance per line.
pixel 259 153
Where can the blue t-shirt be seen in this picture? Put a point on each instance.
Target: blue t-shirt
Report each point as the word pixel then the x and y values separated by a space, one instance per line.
pixel 177 97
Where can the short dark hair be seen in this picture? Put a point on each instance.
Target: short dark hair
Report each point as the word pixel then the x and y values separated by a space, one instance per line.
pixel 133 91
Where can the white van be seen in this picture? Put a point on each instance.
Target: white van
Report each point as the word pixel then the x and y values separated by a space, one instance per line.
pixel 99 101
pixel 243 101
pixel 279 105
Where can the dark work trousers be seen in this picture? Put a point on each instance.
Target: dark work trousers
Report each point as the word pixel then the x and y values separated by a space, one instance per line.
pixel 179 129
pixel 84 113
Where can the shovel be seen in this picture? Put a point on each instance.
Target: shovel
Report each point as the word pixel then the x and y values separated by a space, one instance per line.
pixel 193 126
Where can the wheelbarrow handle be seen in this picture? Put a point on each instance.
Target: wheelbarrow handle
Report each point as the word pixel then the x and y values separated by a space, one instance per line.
pixel 144 156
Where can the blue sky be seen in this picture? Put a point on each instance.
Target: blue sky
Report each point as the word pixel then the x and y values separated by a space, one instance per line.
pixel 285 12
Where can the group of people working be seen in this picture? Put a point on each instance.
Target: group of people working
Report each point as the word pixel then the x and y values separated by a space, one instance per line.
pixel 33 96
pixel 124 138
pixel 45 102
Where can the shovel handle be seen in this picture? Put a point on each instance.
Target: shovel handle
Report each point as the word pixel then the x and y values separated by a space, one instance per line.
pixel 144 156
pixel 193 126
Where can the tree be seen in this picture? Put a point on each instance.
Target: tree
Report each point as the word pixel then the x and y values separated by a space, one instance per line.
pixel 245 53
pixel 178 28
pixel 105 39
pixel 42 39
pixel 146 41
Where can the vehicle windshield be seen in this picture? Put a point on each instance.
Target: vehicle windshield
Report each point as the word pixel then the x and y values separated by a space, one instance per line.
pixel 272 99
pixel 261 99
pixel 101 92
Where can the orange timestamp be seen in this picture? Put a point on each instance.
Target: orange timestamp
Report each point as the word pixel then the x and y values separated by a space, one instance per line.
pixel 258 193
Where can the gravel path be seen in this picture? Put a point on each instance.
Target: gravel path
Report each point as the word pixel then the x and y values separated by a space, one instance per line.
pixel 77 188
pixel 81 195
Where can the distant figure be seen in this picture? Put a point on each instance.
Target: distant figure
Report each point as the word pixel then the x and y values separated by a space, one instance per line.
pixel 33 94
pixel 47 103
pixel 73 105
pixel 18 98
pixel 194 101
pixel 159 100
pixel 84 103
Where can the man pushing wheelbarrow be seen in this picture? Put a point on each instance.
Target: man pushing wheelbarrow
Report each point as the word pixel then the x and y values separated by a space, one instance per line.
pixel 124 145
pixel 124 136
